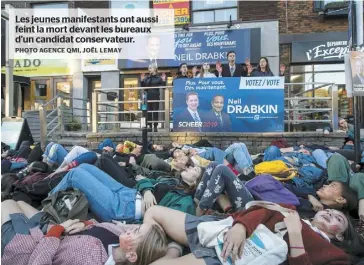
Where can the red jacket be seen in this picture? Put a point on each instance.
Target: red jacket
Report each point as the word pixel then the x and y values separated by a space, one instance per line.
pixel 318 250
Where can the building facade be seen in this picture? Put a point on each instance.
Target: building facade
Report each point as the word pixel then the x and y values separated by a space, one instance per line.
pixel 309 37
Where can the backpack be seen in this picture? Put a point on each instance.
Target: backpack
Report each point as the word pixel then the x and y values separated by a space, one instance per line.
pixel 277 168
pixel 64 205
pixel 35 188
pixel 266 188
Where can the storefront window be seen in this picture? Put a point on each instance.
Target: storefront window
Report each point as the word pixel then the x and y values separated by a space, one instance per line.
pixel 129 4
pixel 316 75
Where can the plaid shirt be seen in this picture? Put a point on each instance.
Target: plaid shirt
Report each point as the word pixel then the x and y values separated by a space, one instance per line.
pixel 37 249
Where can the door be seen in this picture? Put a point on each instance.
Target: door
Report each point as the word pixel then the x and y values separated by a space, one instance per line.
pixel 40 93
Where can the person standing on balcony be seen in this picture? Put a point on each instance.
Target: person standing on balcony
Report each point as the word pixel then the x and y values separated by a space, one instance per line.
pixel 262 69
pixel 153 80
pixel 230 70
pixel 205 71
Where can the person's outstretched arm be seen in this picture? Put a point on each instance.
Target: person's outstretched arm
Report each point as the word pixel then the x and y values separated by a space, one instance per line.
pixel 171 221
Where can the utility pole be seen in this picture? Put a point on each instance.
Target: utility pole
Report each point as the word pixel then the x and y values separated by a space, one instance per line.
pixel 356 28
pixel 9 65
pixel 144 121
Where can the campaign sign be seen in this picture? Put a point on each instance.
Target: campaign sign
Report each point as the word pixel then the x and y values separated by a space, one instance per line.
pixel 253 104
pixel 196 48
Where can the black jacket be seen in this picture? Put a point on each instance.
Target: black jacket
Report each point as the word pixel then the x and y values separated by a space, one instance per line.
pixel 226 71
pixel 152 81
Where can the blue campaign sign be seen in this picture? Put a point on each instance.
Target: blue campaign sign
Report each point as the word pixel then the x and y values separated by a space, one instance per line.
pixel 252 104
pixel 195 48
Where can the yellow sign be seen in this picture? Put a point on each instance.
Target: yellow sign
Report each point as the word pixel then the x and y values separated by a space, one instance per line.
pixel 181 9
pixel 99 62
pixel 36 68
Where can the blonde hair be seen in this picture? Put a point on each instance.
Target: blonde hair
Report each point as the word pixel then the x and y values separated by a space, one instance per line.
pixel 153 247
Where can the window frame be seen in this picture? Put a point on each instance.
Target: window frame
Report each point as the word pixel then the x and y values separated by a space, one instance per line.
pixel 214 9
pixel 318 6
pixel 33 5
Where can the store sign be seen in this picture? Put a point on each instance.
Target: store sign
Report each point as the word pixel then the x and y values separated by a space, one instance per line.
pixel 90 65
pixel 36 67
pixel 319 51
pixel 196 48
pixel 357 71
pixel 181 9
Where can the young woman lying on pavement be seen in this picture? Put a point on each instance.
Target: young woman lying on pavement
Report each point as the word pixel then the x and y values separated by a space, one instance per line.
pixel 308 243
pixel 24 241
pixel 110 200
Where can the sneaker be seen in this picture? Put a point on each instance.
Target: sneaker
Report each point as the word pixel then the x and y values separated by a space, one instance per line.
pixel 247 170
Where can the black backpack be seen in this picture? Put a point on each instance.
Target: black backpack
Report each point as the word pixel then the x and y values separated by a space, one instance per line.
pixel 35 188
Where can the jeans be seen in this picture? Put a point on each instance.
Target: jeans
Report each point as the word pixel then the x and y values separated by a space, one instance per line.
pixel 17 165
pixel 272 153
pixel 54 153
pixel 213 154
pixel 321 157
pixel 107 198
pixel 75 152
pixel 238 155
pixel 218 179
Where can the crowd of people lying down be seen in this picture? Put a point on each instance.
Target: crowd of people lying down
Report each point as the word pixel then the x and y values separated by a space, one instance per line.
pixel 181 204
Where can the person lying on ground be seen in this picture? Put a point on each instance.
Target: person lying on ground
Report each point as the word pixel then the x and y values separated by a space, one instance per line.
pixel 110 200
pixel 298 158
pixel 338 169
pixel 239 159
pixel 308 242
pixel 216 180
pixel 14 160
pixel 23 241
pixel 56 156
pixel 192 154
pixel 209 153
pixel 337 195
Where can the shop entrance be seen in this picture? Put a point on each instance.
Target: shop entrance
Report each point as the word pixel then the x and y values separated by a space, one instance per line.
pixel 40 92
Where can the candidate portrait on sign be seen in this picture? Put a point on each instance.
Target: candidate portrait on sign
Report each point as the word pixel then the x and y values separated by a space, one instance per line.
pixel 191 119
pixel 151 52
pixel 358 78
pixel 217 115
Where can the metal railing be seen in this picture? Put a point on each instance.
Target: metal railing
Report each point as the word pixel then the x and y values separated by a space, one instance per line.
pixel 293 107
pixel 113 116
pixel 65 117
pixel 106 113
pixel 300 105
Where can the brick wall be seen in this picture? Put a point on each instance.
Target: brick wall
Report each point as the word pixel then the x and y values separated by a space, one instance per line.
pixel 302 19
pixel 258 10
pixel 285 54
pixel 294 16
pixel 256 142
